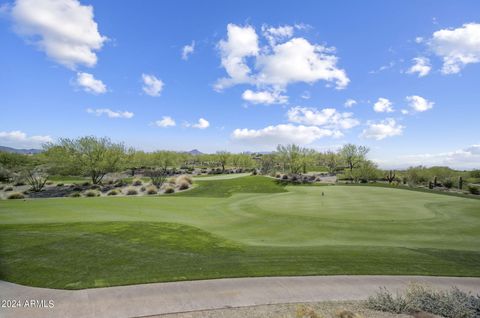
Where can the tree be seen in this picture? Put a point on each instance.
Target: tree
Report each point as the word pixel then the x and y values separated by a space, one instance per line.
pixel 159 163
pixel 222 157
pixel 332 161
pixel 291 158
pixel 353 155
pixel 89 155
pixel 365 171
pixel 13 161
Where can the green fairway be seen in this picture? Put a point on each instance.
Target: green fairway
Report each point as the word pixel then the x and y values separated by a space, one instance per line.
pixel 245 226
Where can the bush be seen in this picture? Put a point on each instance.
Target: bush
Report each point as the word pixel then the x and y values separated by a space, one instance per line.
pixel 113 192
pixel 448 183
pixel 452 303
pixel 120 183
pixel 49 182
pixel 169 189
pixel 184 178
pixel 15 196
pixel 9 188
pixel 137 182
pixel 94 187
pixel 131 191
pixel 86 184
pixel 75 195
pixel 184 186
pixel 1 187
pixel 19 183
pixel 152 190
pixel 5 174
pixel 473 189
pixel 143 188
pixel 60 184
pixel 92 193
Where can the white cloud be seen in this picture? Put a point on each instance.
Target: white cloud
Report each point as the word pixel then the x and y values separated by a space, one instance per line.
pixel 328 117
pixel 280 33
pixel 421 66
pixel 466 158
pixel 110 113
pixel 278 65
pixel 187 50
pixel 64 29
pixel 383 129
pixel 457 47
pixel 201 124
pixel 90 84
pixel 306 95
pixel 166 121
pixel 350 103
pixel 418 103
pixel 282 134
pixel 19 139
pixel 383 105
pixel 152 85
pixel 264 97
pixel 418 39
pixel 241 42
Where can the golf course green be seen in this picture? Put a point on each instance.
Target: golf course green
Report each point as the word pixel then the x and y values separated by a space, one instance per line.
pixel 237 227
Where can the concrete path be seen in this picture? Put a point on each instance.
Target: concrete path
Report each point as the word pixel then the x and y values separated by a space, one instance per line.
pixel 161 298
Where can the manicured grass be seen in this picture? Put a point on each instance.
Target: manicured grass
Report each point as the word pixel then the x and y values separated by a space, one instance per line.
pixel 247 226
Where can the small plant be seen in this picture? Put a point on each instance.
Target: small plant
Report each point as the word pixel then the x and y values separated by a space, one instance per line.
pixel 75 195
pixel 94 187
pixel 92 193
pixel 86 184
pixel 306 312
pixel 8 188
pixel 143 188
pixel 19 183
pixel 152 190
pixel 137 182
pixel 448 183
pixel 473 189
pixel 1 188
pixel 184 186
pixel 15 196
pixel 113 192
pixel 36 179
pixel 342 313
pixel 131 191
pixel 60 184
pixel 184 178
pixel 169 189
pixel 49 182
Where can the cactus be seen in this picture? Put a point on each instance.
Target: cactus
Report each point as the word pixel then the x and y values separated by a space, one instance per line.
pixel 460 183
pixel 430 184
pixel 390 176
pixel 435 184
pixel 404 180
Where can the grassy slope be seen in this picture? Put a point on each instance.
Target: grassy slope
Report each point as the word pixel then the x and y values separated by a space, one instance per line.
pixel 88 242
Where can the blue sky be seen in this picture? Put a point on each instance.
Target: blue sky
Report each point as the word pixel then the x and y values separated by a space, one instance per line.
pixel 254 74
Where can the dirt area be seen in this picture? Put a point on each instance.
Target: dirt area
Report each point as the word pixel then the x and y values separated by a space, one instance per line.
pixel 322 309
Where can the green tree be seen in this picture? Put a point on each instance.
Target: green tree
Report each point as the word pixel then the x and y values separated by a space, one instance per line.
pixel 222 158
pixel 88 155
pixel 353 155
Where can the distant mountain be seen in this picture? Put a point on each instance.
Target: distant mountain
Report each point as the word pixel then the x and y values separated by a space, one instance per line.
pixel 21 151
pixel 195 152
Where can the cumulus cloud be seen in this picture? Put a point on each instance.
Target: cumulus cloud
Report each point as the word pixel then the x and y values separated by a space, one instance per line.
pixel 201 124
pixel 90 84
pixel 350 103
pixel 166 121
pixel 19 139
pixel 264 97
pixel 282 134
pixel 110 113
pixel 383 105
pixel 188 50
pixel 327 117
pixel 418 103
pixel 151 85
pixel 64 29
pixel 421 66
pixel 457 47
pixel 383 129
pixel 466 158
pixel 279 64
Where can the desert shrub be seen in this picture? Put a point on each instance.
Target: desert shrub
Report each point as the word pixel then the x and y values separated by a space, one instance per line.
pixel 1 187
pixel 342 313
pixel 183 186
pixel 284 177
pixel 152 190
pixel 113 192
pixel 8 188
pixel 184 178
pixel 306 312
pixel 131 191
pixel 448 183
pixel 75 195
pixel 254 172
pixel 49 182
pixel 5 174
pixel 278 176
pixel 452 303
pixel 143 188
pixel 137 182
pixel 19 183
pixel 92 193
pixel 120 183
pixel 169 189
pixel 15 196
pixel 473 189
pixel 86 184
pixel 60 184
pixel 95 187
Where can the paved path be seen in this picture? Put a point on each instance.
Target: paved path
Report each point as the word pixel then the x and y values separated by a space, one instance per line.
pixel 161 298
